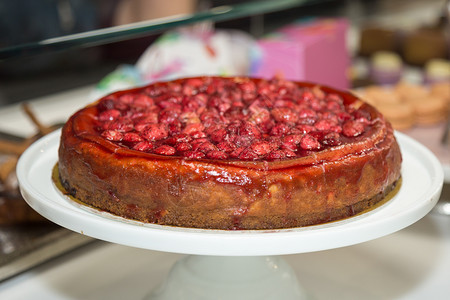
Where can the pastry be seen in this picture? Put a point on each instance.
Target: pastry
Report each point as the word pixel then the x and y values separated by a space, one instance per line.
pixel 386 67
pixel 400 115
pixel 430 110
pixel 408 91
pixel 437 71
pixel 229 153
pixel 391 103
pixel 442 90
pixel 376 95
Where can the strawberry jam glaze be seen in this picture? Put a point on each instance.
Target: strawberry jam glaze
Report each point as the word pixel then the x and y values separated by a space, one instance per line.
pixel 229 153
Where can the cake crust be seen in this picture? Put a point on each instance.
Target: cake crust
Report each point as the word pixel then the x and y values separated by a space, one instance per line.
pixel 325 185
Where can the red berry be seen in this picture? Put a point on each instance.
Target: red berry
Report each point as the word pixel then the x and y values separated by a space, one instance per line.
pixel 331 139
pixel 309 142
pixel 261 147
pixel 307 113
pixel 183 146
pixel 289 146
pixel 235 153
pixel 204 147
pixel 289 153
pixel 280 129
pixel 143 100
pixel 178 138
pixel 143 146
pixel 352 128
pixel 292 138
pixel 276 154
pixel 249 129
pixel 106 104
pixel 218 135
pixel 247 87
pixel 193 154
pixel 155 132
pixel 226 146
pixel 122 124
pixel 305 128
pixel 109 115
pixel 284 114
pixel 193 128
pixel 215 154
pixel 131 137
pixel 112 135
pixel 324 124
pixel 248 154
pixel 165 150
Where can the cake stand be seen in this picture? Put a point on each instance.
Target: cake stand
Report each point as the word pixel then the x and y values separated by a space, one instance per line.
pixel 233 264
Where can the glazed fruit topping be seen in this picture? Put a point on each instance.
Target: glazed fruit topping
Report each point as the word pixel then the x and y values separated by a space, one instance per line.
pixel 229 118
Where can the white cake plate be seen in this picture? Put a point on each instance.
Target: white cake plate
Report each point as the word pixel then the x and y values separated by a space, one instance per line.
pixel 233 264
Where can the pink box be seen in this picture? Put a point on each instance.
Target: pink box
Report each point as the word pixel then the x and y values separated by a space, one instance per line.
pixel 313 51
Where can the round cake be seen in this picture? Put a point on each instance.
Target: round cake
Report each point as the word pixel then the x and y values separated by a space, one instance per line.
pixel 229 153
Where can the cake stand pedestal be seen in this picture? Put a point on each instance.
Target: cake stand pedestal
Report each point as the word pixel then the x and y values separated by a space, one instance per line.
pixel 233 264
pixel 230 277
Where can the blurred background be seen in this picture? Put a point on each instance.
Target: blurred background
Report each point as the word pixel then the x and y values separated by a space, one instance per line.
pixel 40 48
pixel 58 55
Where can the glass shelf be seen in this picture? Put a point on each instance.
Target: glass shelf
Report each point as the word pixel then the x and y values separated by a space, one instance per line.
pixel 135 30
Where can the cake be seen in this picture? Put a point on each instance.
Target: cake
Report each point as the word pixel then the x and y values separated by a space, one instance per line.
pixel 229 153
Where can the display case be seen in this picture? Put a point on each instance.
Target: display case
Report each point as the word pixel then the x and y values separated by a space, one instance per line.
pixel 113 34
pixel 95 44
pixel 54 70
pixel 56 74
